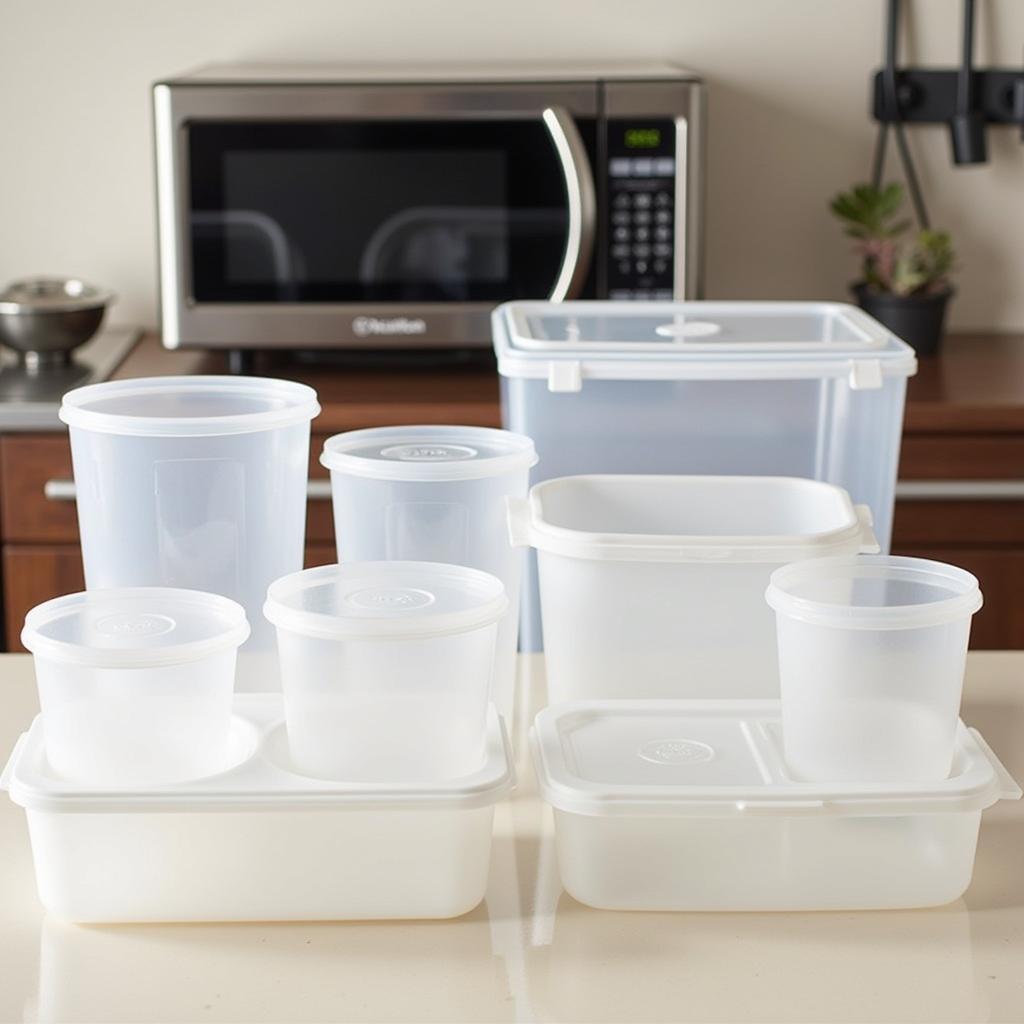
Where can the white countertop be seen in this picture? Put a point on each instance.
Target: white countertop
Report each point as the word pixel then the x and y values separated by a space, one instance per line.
pixel 530 952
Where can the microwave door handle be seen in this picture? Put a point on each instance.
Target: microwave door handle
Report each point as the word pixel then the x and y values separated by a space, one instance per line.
pixel 579 187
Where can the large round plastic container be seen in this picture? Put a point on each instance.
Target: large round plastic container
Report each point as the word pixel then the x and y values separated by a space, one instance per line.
pixel 386 667
pixel 871 663
pixel 135 685
pixel 435 494
pixel 195 482
pixel 653 586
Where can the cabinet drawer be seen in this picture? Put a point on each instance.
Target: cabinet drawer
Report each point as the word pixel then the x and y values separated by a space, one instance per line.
pixel 28 463
pixel 962 457
pixel 959 522
pixel 33 574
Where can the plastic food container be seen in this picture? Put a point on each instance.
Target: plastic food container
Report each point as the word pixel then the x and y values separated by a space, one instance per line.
pixel 435 494
pixel 653 586
pixel 687 805
pixel 799 389
pixel 259 842
pixel 871 660
pixel 386 667
pixel 195 482
pixel 135 685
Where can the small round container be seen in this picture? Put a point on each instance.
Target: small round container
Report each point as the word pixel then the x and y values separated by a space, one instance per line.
pixel 435 494
pixel 386 668
pixel 195 482
pixel 135 684
pixel 871 663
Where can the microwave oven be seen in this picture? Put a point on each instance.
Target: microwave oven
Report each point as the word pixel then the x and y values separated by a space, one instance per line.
pixel 316 208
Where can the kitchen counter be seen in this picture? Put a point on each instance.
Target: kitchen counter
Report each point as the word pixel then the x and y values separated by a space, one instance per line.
pixel 530 952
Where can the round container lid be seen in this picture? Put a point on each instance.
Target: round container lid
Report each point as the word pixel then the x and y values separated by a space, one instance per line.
pixel 380 600
pixel 874 592
pixel 134 627
pixel 197 406
pixel 428 453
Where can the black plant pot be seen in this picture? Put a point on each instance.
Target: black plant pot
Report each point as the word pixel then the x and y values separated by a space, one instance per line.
pixel 917 319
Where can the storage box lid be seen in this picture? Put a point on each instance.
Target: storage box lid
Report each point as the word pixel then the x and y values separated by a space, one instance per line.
pixel 260 777
pixel 718 758
pixel 569 342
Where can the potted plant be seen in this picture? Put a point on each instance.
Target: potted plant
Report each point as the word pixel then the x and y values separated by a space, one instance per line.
pixel 905 278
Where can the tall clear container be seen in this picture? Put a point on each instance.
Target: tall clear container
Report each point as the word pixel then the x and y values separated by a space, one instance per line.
pixel 195 482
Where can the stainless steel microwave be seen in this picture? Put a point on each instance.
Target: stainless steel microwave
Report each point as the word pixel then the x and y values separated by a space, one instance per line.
pixel 346 208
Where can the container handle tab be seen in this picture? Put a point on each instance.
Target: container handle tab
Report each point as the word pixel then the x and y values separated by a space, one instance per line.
pixel 1008 788
pixel 565 375
pixel 8 773
pixel 868 541
pixel 518 519
pixel 865 375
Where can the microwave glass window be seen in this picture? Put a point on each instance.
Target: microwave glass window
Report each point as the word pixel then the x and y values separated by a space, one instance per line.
pixel 408 211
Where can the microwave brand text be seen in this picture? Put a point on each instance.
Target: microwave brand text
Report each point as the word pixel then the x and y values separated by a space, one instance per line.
pixel 364 326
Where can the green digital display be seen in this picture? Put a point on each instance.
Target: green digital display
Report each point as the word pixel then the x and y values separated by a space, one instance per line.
pixel 643 138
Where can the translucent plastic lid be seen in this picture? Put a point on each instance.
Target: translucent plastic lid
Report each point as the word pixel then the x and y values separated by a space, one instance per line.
pixel 712 758
pixel 385 600
pixel 189 406
pixel 134 627
pixel 875 592
pixel 694 340
pixel 428 453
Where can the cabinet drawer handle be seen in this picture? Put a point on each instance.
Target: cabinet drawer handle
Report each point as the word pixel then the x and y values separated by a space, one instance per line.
pixel 64 490
pixel 960 490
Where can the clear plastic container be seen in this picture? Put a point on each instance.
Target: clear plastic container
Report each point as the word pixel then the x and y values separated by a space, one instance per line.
pixel 435 494
pixel 259 842
pixel 135 685
pixel 653 586
pixel 871 659
pixel 386 667
pixel 688 805
pixel 195 482
pixel 800 389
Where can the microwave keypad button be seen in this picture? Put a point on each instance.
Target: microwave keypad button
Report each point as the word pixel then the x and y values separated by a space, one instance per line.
pixel 619 294
pixel 621 235
pixel 662 233
pixel 642 217
pixel 641 266
pixel 662 199
pixel 642 294
pixel 641 252
pixel 662 250
pixel 621 217
pixel 643 167
pixel 663 295
pixel 620 201
pixel 662 217
pixel 620 252
pixel 642 234
pixel 619 167
pixel 664 167
pixel 642 200
pixel 625 267
pixel 660 266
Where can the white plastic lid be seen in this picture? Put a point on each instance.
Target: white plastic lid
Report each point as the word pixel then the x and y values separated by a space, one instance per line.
pixel 428 453
pixel 875 592
pixel 134 627
pixel 260 777
pixel 385 600
pixel 649 518
pixel 567 342
pixel 198 406
pixel 715 758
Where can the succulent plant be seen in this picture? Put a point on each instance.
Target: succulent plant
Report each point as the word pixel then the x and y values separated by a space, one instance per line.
pixel 893 263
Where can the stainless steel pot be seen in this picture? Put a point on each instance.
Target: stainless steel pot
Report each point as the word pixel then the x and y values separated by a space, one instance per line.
pixel 44 318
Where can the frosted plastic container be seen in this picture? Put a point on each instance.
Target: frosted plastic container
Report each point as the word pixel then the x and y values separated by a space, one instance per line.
pixel 195 482
pixel 687 805
pixel 871 659
pixel 653 586
pixel 386 667
pixel 135 685
pixel 435 494
pixel 259 842
pixel 799 389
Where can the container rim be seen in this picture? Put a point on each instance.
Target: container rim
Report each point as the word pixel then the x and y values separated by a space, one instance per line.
pixel 233 635
pixel 520 453
pixel 288 403
pixel 964 600
pixel 491 607
pixel 528 525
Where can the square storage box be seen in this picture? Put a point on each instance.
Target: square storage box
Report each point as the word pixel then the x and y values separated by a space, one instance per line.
pixel 801 389
pixel 259 842
pixel 687 805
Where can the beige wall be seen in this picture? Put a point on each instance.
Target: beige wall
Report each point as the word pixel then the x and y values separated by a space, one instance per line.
pixel 788 125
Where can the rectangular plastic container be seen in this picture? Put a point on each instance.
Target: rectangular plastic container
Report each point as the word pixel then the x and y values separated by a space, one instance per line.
pixel 259 842
pixel 653 586
pixel 802 389
pixel 687 805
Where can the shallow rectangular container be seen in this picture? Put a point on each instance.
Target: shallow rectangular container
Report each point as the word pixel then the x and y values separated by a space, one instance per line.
pixel 801 389
pixel 653 586
pixel 259 842
pixel 686 805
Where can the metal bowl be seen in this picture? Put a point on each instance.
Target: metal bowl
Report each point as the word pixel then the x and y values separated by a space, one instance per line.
pixel 44 318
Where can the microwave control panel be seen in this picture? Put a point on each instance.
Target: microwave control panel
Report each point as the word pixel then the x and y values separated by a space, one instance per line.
pixel 641 209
